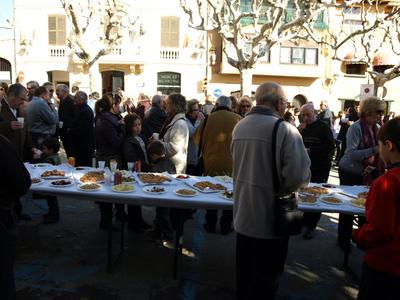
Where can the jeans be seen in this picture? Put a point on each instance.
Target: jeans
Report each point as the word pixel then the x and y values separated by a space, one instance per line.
pixel 378 285
pixel 259 266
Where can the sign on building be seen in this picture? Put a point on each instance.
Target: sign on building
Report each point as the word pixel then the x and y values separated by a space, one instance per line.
pixel 367 90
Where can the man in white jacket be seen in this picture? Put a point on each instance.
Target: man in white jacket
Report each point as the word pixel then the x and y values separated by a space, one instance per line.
pixel 261 255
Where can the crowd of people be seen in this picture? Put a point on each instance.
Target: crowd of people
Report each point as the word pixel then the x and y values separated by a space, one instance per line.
pixel 231 137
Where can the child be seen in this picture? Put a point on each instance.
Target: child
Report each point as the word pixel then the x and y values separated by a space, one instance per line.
pixel 50 148
pixel 162 229
pixel 133 150
pixel 380 236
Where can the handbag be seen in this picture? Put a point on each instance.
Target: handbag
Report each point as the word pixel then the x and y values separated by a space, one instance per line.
pixel 200 162
pixel 288 219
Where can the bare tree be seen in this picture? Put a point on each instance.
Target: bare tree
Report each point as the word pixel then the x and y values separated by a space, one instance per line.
pixel 369 30
pixel 97 27
pixel 252 27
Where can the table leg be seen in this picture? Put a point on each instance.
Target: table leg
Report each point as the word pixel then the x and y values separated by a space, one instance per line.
pixel 178 241
pixel 122 241
pixel 109 248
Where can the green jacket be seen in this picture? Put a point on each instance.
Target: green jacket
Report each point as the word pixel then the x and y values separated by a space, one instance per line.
pixel 53 159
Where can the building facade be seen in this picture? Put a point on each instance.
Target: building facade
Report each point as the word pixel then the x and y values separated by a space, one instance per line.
pixel 165 55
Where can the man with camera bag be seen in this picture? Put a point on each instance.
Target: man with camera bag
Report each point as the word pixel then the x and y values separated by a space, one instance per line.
pixel 260 252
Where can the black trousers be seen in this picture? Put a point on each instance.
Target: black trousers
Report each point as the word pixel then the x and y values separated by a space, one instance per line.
pixel 259 266
pixel 8 247
pixel 311 219
pixel 345 226
pixel 212 217
pixel 377 285
pixel 17 206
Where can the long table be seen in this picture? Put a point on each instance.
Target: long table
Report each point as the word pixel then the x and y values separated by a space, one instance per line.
pixel 170 199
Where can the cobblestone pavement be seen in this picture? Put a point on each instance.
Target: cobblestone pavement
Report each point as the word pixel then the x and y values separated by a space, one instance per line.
pixel 68 261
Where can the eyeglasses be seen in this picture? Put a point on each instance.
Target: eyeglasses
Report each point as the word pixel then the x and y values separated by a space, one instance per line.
pixel 51 91
pixel 2 89
pixel 245 106
pixel 379 112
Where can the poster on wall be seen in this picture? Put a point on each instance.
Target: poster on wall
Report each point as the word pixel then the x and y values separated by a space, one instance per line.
pixel 367 90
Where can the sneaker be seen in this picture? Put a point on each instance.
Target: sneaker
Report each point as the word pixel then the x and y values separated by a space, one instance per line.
pixel 168 244
pixel 209 228
pixel 308 234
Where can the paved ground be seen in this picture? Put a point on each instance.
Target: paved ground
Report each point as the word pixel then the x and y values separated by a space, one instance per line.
pixel 67 261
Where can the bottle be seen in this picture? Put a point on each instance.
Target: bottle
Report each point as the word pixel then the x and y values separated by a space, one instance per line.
pixel 117 178
pixel 71 161
pixel 138 166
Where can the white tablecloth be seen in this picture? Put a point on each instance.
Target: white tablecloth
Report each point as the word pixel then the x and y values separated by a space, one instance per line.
pixel 170 199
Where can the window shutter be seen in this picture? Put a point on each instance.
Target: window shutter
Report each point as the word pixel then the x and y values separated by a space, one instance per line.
pixel 52 24
pixel 61 30
pixel 169 32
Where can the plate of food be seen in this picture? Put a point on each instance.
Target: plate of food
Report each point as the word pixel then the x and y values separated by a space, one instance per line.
pixel 60 183
pixel 208 187
pixel 181 176
pixel 153 178
pixel 186 192
pixel 316 190
pixel 331 200
pixel 36 181
pixel 359 202
pixel 54 174
pixel 307 199
pixel 225 178
pixel 123 188
pixel 89 187
pixel 154 189
pixel 226 195
pixel 93 177
pixel 129 179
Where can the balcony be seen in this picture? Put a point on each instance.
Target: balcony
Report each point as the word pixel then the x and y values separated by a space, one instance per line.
pixel 57 51
pixel 168 54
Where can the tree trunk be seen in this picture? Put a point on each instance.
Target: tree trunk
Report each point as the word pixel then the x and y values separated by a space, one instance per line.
pixel 246 81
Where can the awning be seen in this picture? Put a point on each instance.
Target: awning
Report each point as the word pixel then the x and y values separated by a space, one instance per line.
pixel 350 59
pixel 383 58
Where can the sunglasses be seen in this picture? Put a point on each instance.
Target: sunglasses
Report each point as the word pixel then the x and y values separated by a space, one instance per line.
pixel 2 89
pixel 245 106
pixel 379 112
pixel 51 91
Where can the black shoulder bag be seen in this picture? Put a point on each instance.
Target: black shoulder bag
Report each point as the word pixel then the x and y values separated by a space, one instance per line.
pixel 200 163
pixel 288 218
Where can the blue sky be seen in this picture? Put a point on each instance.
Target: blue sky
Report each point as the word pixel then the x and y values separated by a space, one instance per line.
pixel 6 12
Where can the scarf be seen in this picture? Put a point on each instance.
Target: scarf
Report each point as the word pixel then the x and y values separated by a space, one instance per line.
pixel 370 140
pixel 165 126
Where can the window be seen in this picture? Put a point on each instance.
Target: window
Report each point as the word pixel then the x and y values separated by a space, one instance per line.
pixel 57 30
pixel 356 68
pixel 299 56
pixel 170 32
pixel 352 16
pixel 168 82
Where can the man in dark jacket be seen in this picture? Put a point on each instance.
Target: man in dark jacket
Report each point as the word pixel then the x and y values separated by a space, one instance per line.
pixel 154 118
pixel 81 132
pixel 15 131
pixel 14 182
pixel 66 114
pixel 318 140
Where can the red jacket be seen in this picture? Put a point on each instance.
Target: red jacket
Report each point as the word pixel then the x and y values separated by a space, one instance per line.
pixel 381 234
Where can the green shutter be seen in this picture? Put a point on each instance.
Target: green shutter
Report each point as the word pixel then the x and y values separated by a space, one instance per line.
pixel 320 21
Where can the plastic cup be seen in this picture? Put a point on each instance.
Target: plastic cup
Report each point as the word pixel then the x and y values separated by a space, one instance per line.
pixel 113 166
pixel 21 120
pixel 102 164
pixel 156 136
pixel 130 166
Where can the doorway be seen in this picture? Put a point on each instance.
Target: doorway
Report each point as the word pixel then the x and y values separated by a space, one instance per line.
pixel 112 81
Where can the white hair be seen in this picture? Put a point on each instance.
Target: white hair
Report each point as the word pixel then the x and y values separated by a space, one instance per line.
pixel 224 101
